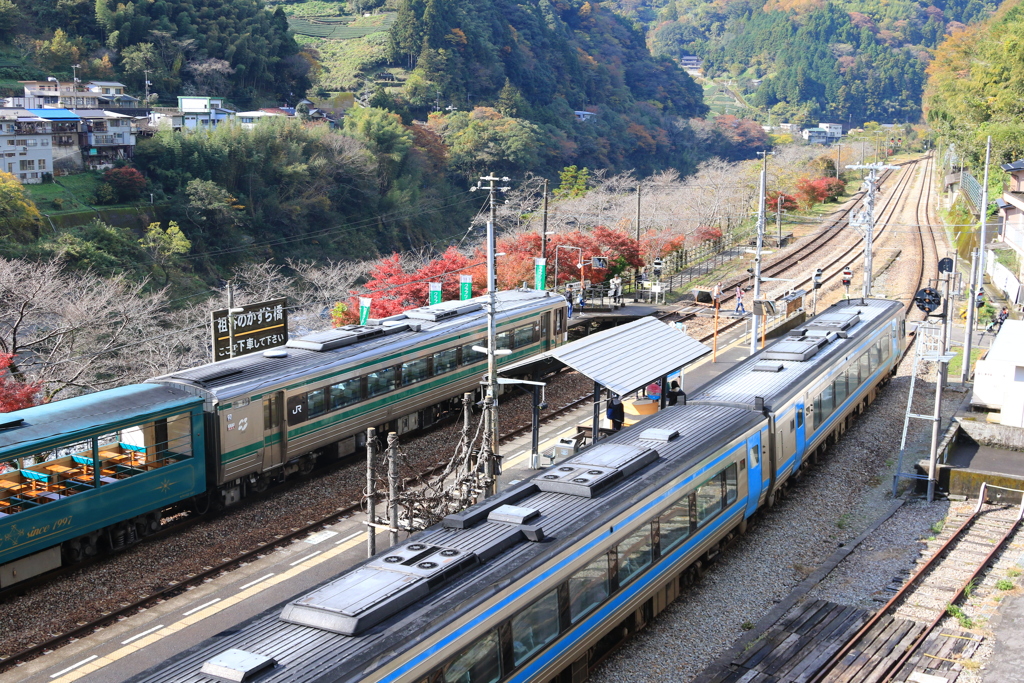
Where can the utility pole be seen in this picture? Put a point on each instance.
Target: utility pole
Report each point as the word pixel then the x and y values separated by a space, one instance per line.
pixel 867 218
pixel 977 283
pixel 839 157
pixel 778 218
pixel 490 435
pixel 371 493
pixel 544 230
pixel 393 487
pixel 636 277
pixel 755 318
pixel 232 312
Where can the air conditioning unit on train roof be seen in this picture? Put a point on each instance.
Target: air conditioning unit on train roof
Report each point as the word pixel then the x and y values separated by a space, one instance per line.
pixel 439 312
pixel 343 336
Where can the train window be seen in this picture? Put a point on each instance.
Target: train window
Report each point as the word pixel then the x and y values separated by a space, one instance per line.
pixel 840 389
pixel 873 357
pixel 709 499
pixel 675 525
pixel 731 484
pixel 755 456
pixel 479 663
pixel 346 393
pixel 635 554
pixel 469 356
pixel 380 382
pixel 523 336
pixel 853 377
pixel 316 403
pixel 444 361
pixel 504 340
pixel 545 325
pixel 559 320
pixel 415 371
pixel 588 588
pixel 886 343
pixel 535 627
pixel 799 417
pixel 827 404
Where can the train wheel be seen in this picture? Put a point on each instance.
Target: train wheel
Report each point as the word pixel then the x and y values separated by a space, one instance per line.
pixel 72 551
pixel 260 483
pixel 306 463
pixel 90 545
pixel 743 526
pixel 770 503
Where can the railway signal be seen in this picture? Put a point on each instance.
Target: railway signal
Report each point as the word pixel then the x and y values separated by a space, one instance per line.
pixel 979 299
pixel 928 299
pixel 816 282
pixel 847 278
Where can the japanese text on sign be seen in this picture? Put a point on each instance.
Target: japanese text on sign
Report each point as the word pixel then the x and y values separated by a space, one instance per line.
pixel 258 327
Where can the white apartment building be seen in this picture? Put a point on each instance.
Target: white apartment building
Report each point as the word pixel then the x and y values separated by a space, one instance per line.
pixel 25 145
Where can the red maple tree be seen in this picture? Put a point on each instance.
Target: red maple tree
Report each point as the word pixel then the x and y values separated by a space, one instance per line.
pixel 15 395
pixel 811 191
pixel 771 200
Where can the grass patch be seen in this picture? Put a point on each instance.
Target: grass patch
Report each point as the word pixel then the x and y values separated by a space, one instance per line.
pixel 958 614
pixel 746 625
pixel 347 61
pixel 1004 585
pixel 957 363
pixel 843 521
pixel 1013 572
pixel 68 194
pixel 938 526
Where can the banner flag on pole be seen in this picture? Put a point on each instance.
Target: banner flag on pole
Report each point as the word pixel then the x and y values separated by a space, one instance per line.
pixel 540 273
pixel 465 287
pixel 364 310
pixel 435 293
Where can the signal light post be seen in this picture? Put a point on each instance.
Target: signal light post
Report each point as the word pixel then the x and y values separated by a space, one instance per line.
pixel 866 219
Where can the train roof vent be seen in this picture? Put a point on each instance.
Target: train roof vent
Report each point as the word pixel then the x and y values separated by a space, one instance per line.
pixel 237 665
pixel 440 312
pixel 834 321
pixel 207 374
pixel 590 471
pixel 368 595
pixel 512 514
pixel 763 366
pixel 662 435
pixel 335 339
pixel 795 348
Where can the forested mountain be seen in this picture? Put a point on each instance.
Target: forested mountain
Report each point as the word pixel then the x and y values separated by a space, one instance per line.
pixel 233 48
pixel 532 63
pixel 974 88
pixel 850 61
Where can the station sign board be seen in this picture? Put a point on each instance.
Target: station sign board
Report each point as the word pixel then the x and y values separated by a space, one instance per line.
pixel 258 327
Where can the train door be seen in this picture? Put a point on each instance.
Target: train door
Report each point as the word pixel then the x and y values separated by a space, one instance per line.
pixel 785 437
pixel 754 473
pixel 545 330
pixel 274 444
pixel 801 441
pixel 768 470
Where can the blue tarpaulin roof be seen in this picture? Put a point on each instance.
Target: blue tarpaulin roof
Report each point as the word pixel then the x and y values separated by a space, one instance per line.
pixel 55 114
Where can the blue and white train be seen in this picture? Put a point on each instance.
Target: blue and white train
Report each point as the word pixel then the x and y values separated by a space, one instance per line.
pixel 537 582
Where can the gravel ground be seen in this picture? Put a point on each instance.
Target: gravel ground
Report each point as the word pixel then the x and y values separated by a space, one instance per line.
pixel 119 579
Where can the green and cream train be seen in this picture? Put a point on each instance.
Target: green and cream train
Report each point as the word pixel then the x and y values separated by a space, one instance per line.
pixel 274 413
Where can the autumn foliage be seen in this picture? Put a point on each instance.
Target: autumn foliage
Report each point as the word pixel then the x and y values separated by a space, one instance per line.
pixel 395 287
pixel 817 190
pixel 789 202
pixel 15 395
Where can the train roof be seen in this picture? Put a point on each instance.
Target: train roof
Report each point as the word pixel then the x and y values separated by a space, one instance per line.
pixel 350 344
pixel 90 413
pixel 391 614
pixel 784 367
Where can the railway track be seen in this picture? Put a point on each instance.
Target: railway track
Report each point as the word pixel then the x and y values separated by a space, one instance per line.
pixel 902 636
pixel 832 269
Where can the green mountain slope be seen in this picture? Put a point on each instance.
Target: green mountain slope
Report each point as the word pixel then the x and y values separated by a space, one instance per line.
pixel 803 60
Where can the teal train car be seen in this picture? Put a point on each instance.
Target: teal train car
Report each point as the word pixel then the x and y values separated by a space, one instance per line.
pixel 94 472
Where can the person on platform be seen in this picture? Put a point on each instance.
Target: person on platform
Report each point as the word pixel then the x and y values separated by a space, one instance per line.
pixel 716 295
pixel 739 301
pixel 616 413
pixel 616 289
pixel 673 393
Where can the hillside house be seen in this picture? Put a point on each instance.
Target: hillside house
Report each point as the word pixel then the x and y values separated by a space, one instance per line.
pixel 105 137
pixel 249 119
pixel 1011 209
pixel 815 136
pixel 203 112
pixel 833 131
pixel 692 65
pixel 65 126
pixel 25 145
